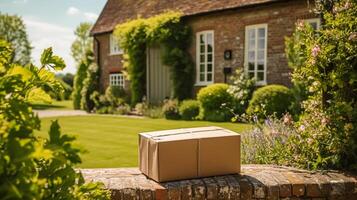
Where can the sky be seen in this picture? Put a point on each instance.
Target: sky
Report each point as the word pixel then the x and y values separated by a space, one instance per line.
pixel 51 23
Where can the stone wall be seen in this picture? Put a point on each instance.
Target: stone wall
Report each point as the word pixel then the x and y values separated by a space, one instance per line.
pixel 255 182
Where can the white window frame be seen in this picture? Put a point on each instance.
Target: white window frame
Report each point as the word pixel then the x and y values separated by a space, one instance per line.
pixel 313 20
pixel 117 79
pixel 198 82
pixel 246 69
pixel 114 46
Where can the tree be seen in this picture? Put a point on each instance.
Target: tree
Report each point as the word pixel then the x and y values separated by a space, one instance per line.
pixel 83 42
pixel 13 30
pixel 82 53
pixel 32 167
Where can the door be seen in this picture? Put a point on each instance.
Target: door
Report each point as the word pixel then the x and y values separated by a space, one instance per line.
pixel 158 76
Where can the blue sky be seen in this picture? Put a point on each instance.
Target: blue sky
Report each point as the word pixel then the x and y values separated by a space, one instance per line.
pixel 52 23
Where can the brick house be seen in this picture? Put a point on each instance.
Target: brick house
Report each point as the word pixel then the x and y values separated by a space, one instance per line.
pixel 228 34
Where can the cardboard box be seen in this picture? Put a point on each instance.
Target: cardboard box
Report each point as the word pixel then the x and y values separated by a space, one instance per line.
pixel 189 153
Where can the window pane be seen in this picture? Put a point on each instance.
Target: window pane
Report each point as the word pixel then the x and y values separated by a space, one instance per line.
pixel 251 34
pixel 313 25
pixel 209 67
pixel 202 48
pixel 261 32
pixel 202 77
pixel 251 56
pixel 261 43
pixel 251 66
pixel 260 66
pixel 260 76
pixel 209 48
pixel 202 39
pixel 251 74
pixel 202 58
pixel 209 77
pixel 209 58
pixel 251 45
pixel 202 67
pixel 261 55
pixel 209 38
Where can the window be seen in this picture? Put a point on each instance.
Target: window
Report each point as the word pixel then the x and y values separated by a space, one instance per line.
pixel 117 79
pixel 256 52
pixel 114 46
pixel 314 23
pixel 205 57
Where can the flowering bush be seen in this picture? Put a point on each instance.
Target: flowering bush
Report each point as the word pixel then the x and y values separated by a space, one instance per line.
pixel 241 89
pixel 324 62
pixel 269 142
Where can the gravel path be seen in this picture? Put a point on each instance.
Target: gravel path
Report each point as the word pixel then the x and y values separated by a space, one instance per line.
pixel 58 113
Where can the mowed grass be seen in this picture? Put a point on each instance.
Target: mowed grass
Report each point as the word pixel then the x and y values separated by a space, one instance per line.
pixel 55 105
pixel 112 141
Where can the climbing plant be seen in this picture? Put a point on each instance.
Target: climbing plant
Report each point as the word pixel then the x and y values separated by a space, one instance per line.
pixel 174 37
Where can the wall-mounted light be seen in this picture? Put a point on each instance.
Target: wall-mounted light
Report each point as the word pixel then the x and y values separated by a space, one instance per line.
pixel 227 54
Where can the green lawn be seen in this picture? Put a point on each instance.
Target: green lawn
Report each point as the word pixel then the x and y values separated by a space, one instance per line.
pixel 56 105
pixel 111 141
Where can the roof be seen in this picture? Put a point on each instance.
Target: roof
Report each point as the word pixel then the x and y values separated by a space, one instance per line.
pixel 120 11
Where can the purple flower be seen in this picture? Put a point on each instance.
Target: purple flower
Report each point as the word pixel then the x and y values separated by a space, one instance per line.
pixel 316 50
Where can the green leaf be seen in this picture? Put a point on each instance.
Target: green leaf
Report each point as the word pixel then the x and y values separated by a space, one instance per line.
pixel 25 73
pixel 52 61
pixel 38 95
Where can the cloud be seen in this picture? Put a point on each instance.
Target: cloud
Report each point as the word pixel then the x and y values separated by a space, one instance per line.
pixel 43 35
pixel 91 16
pixel 73 11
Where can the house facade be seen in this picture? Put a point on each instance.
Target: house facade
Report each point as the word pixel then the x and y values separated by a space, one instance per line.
pixel 227 34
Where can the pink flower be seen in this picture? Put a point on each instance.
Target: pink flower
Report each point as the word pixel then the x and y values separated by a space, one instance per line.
pixel 316 50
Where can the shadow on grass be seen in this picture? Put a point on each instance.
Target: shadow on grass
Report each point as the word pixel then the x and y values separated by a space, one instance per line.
pixel 46 106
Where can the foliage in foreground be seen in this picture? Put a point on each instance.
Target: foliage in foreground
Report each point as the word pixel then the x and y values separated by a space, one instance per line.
pixel 30 167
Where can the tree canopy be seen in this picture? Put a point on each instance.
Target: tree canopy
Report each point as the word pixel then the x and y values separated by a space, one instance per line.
pixel 13 30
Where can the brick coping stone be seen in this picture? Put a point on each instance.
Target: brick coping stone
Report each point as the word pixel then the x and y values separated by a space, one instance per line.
pixel 255 182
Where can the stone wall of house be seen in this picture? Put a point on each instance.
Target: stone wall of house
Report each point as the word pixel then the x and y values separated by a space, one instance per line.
pixel 229 34
pixel 255 182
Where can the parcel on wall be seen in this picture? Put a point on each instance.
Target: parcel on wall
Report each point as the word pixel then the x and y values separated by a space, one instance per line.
pixel 189 153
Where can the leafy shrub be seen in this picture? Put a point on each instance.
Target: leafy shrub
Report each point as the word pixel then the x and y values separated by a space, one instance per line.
pixel 171 109
pixel 189 109
pixel 33 167
pixel 212 98
pixel 90 85
pixel 269 100
pixel 241 89
pixel 109 103
pixel 78 82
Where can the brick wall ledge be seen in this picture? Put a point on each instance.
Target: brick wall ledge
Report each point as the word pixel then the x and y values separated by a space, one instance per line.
pixel 255 182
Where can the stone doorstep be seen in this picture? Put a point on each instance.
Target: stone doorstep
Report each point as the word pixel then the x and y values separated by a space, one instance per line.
pixel 255 182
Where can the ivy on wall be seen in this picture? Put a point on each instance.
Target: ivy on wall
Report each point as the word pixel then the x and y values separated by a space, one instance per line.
pixel 174 37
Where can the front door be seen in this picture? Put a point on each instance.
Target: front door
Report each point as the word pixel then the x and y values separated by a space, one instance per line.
pixel 158 76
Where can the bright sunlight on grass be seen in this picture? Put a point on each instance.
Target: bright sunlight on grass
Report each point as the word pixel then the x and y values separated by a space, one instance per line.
pixel 55 105
pixel 111 141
